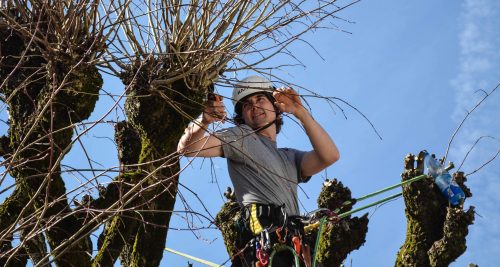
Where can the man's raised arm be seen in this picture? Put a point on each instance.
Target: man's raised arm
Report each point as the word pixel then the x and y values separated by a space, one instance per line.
pixel 324 152
pixel 194 143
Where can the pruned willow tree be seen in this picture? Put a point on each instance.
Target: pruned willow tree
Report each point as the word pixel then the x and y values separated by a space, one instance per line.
pixel 168 55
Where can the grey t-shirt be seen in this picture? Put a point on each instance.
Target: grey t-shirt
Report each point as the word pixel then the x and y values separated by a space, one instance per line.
pixel 260 171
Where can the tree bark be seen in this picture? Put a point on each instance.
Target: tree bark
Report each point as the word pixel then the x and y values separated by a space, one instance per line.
pixel 46 95
pixel 435 233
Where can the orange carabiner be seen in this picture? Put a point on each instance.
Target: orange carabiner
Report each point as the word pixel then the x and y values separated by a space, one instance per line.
pixel 296 244
pixel 282 240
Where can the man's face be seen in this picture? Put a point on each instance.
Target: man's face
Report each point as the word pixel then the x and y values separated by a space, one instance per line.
pixel 257 111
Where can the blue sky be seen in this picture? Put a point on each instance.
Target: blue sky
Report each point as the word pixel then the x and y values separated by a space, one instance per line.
pixel 413 68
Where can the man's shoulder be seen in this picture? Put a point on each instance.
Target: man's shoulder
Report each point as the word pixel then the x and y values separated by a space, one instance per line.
pixel 236 130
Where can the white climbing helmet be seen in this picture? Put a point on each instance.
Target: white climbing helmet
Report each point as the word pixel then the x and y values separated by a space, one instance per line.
pixel 251 85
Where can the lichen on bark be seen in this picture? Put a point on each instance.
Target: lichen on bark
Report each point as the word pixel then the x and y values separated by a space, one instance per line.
pixel 226 220
pixel 436 231
pixel 155 124
pixel 47 93
pixel 340 237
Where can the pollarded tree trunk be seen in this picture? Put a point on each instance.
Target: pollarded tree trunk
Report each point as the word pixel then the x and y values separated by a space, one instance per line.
pixel 341 237
pixel 155 117
pixel 435 233
pixel 46 95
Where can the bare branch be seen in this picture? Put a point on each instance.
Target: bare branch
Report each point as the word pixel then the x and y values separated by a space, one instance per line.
pixel 466 117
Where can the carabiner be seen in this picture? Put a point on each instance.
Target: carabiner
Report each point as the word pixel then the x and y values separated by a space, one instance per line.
pixel 281 239
pixel 267 242
pixel 296 243
pixel 262 257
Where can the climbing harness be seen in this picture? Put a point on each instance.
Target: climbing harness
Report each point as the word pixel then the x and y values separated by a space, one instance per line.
pixel 281 248
pixel 265 251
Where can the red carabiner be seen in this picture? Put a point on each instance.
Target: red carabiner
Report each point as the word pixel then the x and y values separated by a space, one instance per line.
pixel 296 244
pixel 262 257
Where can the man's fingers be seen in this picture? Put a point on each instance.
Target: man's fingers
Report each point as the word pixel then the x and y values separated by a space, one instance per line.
pixel 280 106
pixel 214 111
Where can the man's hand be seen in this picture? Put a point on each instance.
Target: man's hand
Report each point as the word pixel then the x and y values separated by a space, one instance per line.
pixel 193 142
pixel 288 100
pixel 214 111
pixel 324 152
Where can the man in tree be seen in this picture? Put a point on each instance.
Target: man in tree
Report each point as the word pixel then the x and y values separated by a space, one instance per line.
pixel 265 177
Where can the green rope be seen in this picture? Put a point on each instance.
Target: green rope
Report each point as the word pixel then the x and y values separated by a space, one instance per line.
pixel 409 181
pixel 345 214
pixel 318 237
pixel 211 264
pixel 280 248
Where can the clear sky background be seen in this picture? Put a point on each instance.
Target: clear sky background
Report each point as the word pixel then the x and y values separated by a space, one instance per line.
pixel 413 68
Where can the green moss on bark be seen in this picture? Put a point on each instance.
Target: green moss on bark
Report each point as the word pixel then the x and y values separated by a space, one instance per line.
pixel 121 228
pixel 158 116
pixel 338 238
pixel 43 135
pixel 445 250
pixel 226 222
pixel 335 196
pixel 431 223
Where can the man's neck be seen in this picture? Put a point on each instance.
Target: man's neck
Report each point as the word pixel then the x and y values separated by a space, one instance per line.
pixel 269 132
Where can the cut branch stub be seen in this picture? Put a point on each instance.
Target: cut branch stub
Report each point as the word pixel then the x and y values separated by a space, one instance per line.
pixel 431 221
pixel 226 222
pixel 339 238
pixel 129 145
pixel 335 196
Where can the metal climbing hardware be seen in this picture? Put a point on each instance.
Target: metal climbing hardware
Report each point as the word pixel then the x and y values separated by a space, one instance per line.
pixel 281 239
pixel 262 255
pixel 267 240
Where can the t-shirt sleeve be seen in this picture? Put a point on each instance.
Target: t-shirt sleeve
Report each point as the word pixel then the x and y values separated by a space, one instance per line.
pixel 233 141
pixel 297 156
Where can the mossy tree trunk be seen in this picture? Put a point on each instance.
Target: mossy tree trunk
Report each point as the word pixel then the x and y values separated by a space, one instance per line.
pixel 435 233
pixel 155 124
pixel 340 237
pixel 47 93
